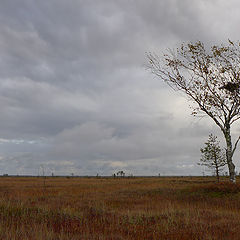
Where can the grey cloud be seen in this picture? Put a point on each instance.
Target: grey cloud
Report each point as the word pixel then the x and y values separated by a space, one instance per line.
pixel 72 77
pixel 40 108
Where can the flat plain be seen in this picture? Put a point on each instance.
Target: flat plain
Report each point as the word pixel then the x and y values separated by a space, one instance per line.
pixel 60 208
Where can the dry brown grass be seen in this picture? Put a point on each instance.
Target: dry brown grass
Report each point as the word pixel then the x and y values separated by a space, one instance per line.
pixel 127 208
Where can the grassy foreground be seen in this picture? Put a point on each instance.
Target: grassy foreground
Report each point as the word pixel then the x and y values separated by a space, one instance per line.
pixel 127 208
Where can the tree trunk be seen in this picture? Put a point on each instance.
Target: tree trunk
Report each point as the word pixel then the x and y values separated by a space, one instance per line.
pixel 229 153
pixel 217 173
pixel 216 165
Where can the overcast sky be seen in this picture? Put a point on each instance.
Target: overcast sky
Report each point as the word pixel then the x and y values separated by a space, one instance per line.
pixel 75 96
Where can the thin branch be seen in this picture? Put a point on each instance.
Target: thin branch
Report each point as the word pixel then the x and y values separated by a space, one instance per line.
pixel 235 145
pixel 234 120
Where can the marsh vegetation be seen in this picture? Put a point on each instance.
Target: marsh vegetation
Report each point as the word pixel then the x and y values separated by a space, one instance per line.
pixel 119 208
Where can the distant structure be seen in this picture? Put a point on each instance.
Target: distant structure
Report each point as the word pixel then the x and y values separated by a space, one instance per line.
pixel 231 87
pixel 121 173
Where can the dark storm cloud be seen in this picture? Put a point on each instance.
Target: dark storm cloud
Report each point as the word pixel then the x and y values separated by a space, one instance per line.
pixel 74 93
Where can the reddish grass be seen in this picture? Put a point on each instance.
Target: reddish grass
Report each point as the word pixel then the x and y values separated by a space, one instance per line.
pixel 126 208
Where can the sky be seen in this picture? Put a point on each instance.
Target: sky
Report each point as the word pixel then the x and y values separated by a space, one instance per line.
pixel 75 94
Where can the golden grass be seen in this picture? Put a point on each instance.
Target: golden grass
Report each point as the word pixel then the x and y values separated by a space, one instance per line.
pixel 122 208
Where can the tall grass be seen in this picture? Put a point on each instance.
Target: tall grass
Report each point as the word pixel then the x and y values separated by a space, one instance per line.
pixel 127 208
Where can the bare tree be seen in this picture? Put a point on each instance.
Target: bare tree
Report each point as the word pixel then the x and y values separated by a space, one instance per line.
pixel 213 156
pixel 210 78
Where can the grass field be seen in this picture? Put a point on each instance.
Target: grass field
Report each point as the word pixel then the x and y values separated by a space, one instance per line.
pixel 121 208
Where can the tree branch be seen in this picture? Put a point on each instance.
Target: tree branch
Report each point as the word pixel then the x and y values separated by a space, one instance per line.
pixel 235 145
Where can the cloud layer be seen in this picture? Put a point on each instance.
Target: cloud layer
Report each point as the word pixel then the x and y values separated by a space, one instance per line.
pixel 76 98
